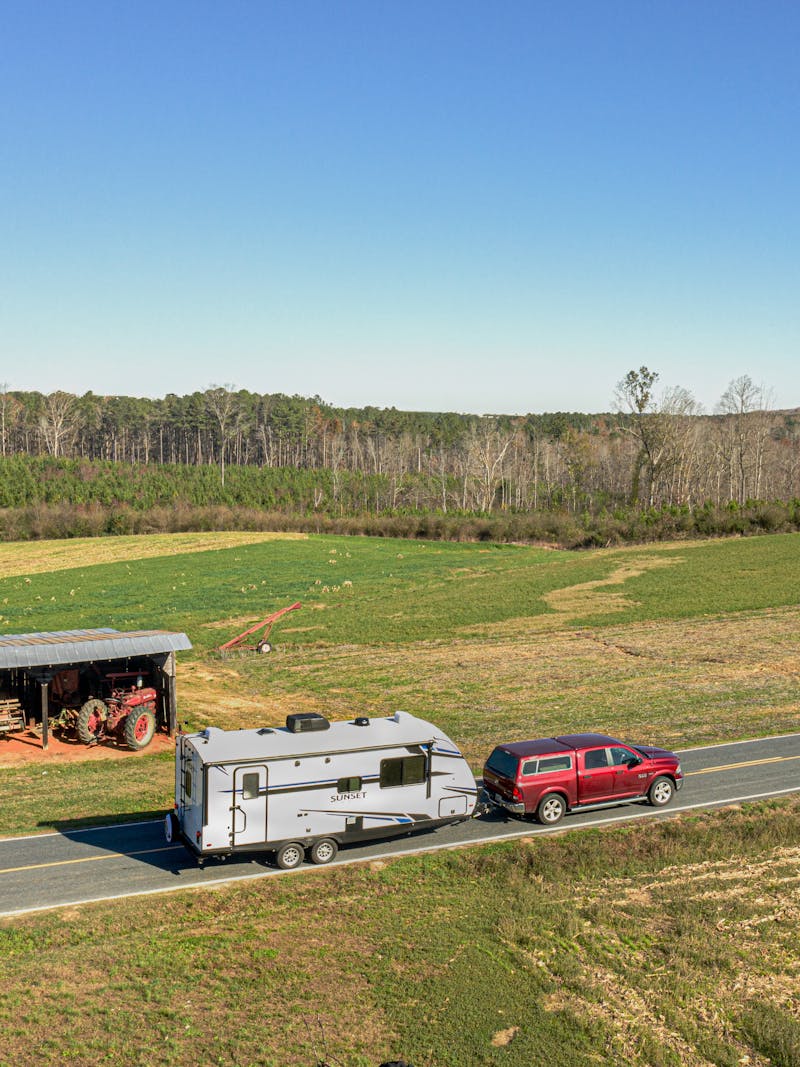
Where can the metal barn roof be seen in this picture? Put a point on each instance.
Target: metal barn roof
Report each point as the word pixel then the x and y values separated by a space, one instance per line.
pixel 80 646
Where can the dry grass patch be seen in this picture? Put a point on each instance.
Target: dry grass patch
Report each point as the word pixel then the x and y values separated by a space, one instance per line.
pixel 37 557
pixel 594 598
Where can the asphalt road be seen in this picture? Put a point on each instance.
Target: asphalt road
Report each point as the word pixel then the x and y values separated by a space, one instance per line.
pixel 59 869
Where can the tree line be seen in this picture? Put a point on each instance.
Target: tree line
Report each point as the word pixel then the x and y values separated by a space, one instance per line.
pixel 655 450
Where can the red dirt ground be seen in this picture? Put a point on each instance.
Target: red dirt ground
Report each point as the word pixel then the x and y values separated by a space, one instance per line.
pixel 26 747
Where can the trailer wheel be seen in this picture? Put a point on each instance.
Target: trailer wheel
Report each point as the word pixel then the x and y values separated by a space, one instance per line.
pixel 171 829
pixel 660 792
pixel 290 856
pixel 139 729
pixel 323 851
pixel 551 809
pixel 264 647
pixel 90 722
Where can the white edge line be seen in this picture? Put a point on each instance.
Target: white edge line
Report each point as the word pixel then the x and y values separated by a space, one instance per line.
pixel 82 830
pixel 531 831
pixel 732 744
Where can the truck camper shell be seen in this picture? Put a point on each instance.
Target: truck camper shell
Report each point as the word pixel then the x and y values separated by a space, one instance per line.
pixel 313 785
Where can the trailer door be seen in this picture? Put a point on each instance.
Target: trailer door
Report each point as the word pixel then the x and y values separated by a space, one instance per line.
pixel 249 805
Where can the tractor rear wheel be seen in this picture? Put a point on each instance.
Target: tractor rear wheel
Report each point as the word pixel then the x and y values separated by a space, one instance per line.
pixel 139 729
pixel 90 723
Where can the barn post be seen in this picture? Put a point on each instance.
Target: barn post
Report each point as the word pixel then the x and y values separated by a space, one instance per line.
pixel 172 696
pixel 45 718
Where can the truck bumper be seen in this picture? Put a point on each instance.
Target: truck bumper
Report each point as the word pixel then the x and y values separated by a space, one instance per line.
pixel 496 801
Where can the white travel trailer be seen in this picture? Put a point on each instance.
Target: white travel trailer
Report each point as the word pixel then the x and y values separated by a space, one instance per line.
pixel 314 785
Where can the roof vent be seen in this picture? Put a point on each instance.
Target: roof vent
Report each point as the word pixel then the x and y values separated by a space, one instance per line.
pixel 361 720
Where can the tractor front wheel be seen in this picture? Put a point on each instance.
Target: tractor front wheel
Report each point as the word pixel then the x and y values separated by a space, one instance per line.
pixel 139 729
pixel 90 723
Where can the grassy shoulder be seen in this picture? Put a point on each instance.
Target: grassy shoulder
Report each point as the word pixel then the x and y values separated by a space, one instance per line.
pixel 666 943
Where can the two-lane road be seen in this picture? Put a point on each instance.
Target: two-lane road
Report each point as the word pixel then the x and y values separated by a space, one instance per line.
pixel 57 869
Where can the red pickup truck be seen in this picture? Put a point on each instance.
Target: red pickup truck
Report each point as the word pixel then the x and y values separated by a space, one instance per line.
pixel 552 775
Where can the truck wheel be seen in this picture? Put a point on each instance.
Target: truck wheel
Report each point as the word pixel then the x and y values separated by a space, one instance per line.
pixel 171 828
pixel 139 729
pixel 323 851
pixel 91 721
pixel 551 809
pixel 290 856
pixel 660 792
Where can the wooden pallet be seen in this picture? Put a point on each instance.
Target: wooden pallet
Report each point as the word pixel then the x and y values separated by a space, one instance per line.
pixel 12 716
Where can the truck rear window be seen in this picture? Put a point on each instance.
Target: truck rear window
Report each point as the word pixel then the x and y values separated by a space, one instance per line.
pixel 503 763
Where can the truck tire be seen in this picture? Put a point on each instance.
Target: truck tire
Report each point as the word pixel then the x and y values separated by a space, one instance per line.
pixel 660 792
pixel 289 856
pixel 551 809
pixel 139 729
pixel 90 722
pixel 323 851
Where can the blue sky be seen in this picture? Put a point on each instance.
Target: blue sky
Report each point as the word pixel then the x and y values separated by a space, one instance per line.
pixel 479 207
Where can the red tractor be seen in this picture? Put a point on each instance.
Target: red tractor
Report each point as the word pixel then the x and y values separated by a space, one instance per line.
pixel 126 712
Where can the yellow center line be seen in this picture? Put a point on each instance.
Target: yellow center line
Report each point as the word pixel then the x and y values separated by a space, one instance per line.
pixel 746 763
pixel 88 859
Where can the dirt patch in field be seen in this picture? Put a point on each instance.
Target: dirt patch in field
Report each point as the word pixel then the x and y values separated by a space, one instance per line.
pixel 16 750
pixel 599 596
pixel 35 557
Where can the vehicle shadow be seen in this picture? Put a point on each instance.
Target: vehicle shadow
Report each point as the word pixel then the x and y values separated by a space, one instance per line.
pixel 140 837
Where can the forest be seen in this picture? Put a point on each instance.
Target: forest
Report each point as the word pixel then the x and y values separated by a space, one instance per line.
pixel 654 466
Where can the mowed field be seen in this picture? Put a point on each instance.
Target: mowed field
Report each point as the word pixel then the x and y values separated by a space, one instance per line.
pixel 665 944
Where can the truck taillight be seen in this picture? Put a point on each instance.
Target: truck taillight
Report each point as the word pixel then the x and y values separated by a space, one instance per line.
pixel 517 794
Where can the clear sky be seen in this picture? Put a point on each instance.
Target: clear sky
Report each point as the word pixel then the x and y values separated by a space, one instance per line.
pixel 494 206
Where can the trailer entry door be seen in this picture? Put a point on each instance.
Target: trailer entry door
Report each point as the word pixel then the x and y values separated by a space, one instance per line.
pixel 249 805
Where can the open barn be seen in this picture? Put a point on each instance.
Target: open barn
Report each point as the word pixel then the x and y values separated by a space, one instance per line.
pixel 88 684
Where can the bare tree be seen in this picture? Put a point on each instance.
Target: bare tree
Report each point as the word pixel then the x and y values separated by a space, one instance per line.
pixel 663 431
pixel 635 398
pixel 486 450
pixel 8 408
pixel 221 403
pixel 744 430
pixel 58 421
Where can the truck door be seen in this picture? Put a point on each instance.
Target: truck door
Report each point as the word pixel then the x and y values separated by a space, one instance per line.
pixel 249 805
pixel 595 776
pixel 629 779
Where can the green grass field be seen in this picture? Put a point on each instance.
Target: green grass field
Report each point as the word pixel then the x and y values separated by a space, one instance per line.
pixel 659 944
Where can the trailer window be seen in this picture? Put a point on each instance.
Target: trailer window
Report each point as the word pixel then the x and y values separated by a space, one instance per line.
pixel 410 770
pixel 250 785
pixel 187 783
pixel 348 785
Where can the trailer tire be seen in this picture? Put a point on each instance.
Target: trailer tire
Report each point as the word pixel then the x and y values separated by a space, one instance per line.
pixel 289 856
pixel 90 721
pixel 551 809
pixel 660 792
pixel 323 851
pixel 264 647
pixel 139 729
pixel 171 828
